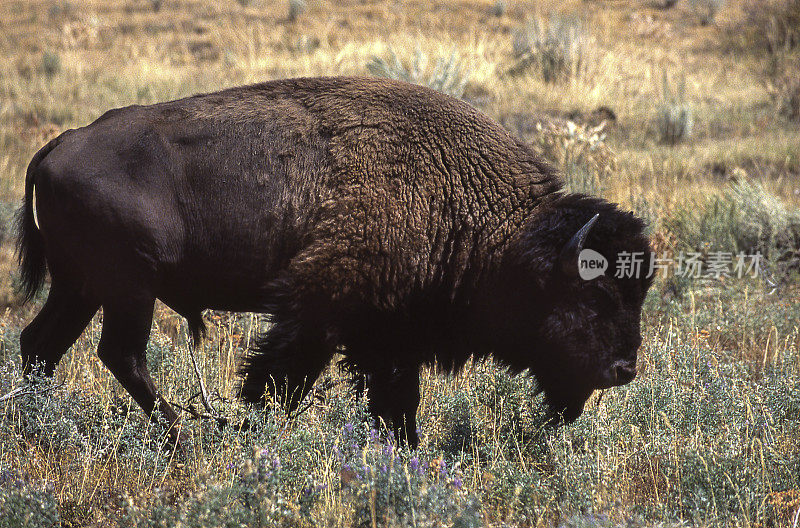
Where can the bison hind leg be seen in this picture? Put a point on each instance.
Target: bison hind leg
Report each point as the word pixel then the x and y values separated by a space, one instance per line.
pixel 57 326
pixel 122 348
pixel 284 363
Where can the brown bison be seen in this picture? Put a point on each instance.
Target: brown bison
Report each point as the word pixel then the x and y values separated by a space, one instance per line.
pixel 379 219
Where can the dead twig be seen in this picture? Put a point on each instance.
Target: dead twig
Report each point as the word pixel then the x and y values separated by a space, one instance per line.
pixel 221 421
pixel 203 393
pixel 197 415
pixel 13 394
pixel 27 391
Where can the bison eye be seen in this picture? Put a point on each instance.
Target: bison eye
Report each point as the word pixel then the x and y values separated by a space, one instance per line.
pixel 602 303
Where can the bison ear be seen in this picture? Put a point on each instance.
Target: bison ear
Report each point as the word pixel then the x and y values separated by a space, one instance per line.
pixel 568 260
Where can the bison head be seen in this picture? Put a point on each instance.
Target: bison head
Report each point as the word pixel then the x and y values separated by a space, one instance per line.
pixel 568 319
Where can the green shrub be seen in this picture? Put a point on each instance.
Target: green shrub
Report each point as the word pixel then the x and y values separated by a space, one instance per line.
pixel 744 217
pixel 705 435
pixel 395 490
pixel 50 418
pixel 499 8
pixel 448 74
pixel 257 497
pixel 458 423
pixel 24 503
pixel 555 48
pixel 296 9
pixel 280 484
pixel 513 415
pixel 706 10
pixel 675 117
pixel 51 63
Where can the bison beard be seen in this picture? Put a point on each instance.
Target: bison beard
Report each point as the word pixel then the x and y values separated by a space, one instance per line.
pixel 380 219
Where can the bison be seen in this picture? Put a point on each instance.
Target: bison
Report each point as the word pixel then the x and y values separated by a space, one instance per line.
pixel 379 219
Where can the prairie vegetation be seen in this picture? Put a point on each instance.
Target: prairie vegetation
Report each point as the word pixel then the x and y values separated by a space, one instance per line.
pixel 686 112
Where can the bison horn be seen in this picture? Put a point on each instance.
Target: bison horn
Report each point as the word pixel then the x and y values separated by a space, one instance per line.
pixel 569 255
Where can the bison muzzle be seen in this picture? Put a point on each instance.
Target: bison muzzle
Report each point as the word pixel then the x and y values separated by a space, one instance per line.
pixel 378 219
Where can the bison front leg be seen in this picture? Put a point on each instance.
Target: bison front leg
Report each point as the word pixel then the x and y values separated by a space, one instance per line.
pixel 394 397
pixel 285 363
pixel 122 348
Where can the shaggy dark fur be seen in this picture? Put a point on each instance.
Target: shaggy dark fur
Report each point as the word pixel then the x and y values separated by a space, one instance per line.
pixel 375 217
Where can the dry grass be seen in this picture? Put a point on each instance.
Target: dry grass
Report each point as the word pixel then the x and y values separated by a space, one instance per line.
pixel 712 417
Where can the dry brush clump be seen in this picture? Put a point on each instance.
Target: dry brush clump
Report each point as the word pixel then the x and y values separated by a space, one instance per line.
pixel 770 25
pixel 783 86
pixel 579 152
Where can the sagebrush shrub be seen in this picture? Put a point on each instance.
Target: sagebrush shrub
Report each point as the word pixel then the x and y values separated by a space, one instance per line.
pixel 706 10
pixel 447 74
pixel 296 9
pixel 675 116
pixel 555 48
pixel 51 63
pixel 705 434
pixel 25 503
pixel 743 217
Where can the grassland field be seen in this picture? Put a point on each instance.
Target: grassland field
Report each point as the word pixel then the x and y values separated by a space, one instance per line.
pixel 686 112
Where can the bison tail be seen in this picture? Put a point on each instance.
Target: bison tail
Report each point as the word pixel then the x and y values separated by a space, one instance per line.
pixel 30 244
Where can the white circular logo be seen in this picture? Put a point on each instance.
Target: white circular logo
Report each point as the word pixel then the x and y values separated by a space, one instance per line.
pixel 591 264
